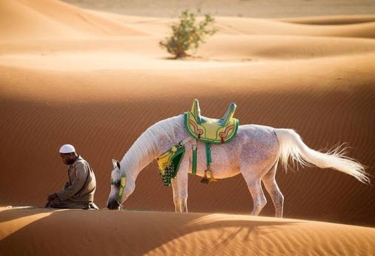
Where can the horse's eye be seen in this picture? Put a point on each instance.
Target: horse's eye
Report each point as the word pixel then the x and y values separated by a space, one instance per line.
pixel 116 183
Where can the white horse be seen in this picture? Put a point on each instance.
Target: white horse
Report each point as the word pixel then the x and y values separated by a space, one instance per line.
pixel 254 152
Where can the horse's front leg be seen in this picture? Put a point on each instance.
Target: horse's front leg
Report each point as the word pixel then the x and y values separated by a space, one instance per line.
pixel 180 189
pixel 177 205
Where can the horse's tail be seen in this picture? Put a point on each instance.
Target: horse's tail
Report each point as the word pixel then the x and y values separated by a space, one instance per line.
pixel 291 145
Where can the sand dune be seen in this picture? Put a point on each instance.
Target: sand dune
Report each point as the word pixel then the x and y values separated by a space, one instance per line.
pixel 30 19
pixel 98 80
pixel 161 233
pixel 238 8
pixel 298 27
pixel 332 20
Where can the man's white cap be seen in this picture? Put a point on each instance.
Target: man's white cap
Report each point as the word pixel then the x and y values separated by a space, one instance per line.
pixel 67 148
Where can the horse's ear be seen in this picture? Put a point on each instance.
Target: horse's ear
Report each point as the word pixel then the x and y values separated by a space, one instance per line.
pixel 115 163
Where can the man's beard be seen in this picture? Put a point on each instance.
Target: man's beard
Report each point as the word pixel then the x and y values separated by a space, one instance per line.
pixel 70 161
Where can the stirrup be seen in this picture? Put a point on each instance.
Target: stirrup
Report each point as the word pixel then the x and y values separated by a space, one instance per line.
pixel 207 180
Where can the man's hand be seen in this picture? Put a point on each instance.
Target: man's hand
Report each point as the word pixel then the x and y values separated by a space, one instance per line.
pixel 52 197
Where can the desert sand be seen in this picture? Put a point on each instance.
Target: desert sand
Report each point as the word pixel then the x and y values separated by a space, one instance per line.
pixel 91 73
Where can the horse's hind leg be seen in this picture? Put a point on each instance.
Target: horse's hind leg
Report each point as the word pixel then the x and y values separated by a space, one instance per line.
pixel 255 187
pixel 269 181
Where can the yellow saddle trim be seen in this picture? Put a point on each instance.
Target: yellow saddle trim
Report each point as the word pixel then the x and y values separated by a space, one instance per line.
pixel 211 130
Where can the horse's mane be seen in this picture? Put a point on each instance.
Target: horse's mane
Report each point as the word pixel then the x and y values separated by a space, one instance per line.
pixel 148 144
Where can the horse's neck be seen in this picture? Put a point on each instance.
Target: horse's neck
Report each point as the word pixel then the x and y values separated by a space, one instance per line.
pixel 153 142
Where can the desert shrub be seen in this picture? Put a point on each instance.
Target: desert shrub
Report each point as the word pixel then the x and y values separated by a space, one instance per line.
pixel 188 34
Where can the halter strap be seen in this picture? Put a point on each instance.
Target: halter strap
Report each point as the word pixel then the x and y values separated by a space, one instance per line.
pixel 120 193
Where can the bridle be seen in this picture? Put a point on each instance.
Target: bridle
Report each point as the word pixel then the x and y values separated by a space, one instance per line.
pixel 120 184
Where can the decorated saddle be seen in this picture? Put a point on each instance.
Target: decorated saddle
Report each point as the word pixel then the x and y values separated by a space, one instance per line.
pixel 210 130
pixel 201 128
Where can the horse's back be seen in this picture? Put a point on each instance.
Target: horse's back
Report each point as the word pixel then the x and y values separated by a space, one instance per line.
pixel 259 142
pixel 257 133
pixel 254 150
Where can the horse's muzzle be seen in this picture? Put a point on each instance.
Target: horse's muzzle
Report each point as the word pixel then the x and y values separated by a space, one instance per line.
pixel 113 204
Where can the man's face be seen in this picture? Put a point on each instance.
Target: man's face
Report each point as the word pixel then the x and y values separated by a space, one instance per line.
pixel 68 158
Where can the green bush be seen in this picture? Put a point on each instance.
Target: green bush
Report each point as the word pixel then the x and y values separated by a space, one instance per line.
pixel 187 35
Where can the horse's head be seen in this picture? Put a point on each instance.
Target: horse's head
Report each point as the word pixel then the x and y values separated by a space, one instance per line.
pixel 118 181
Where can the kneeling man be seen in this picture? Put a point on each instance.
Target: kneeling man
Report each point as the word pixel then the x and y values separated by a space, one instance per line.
pixel 79 190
